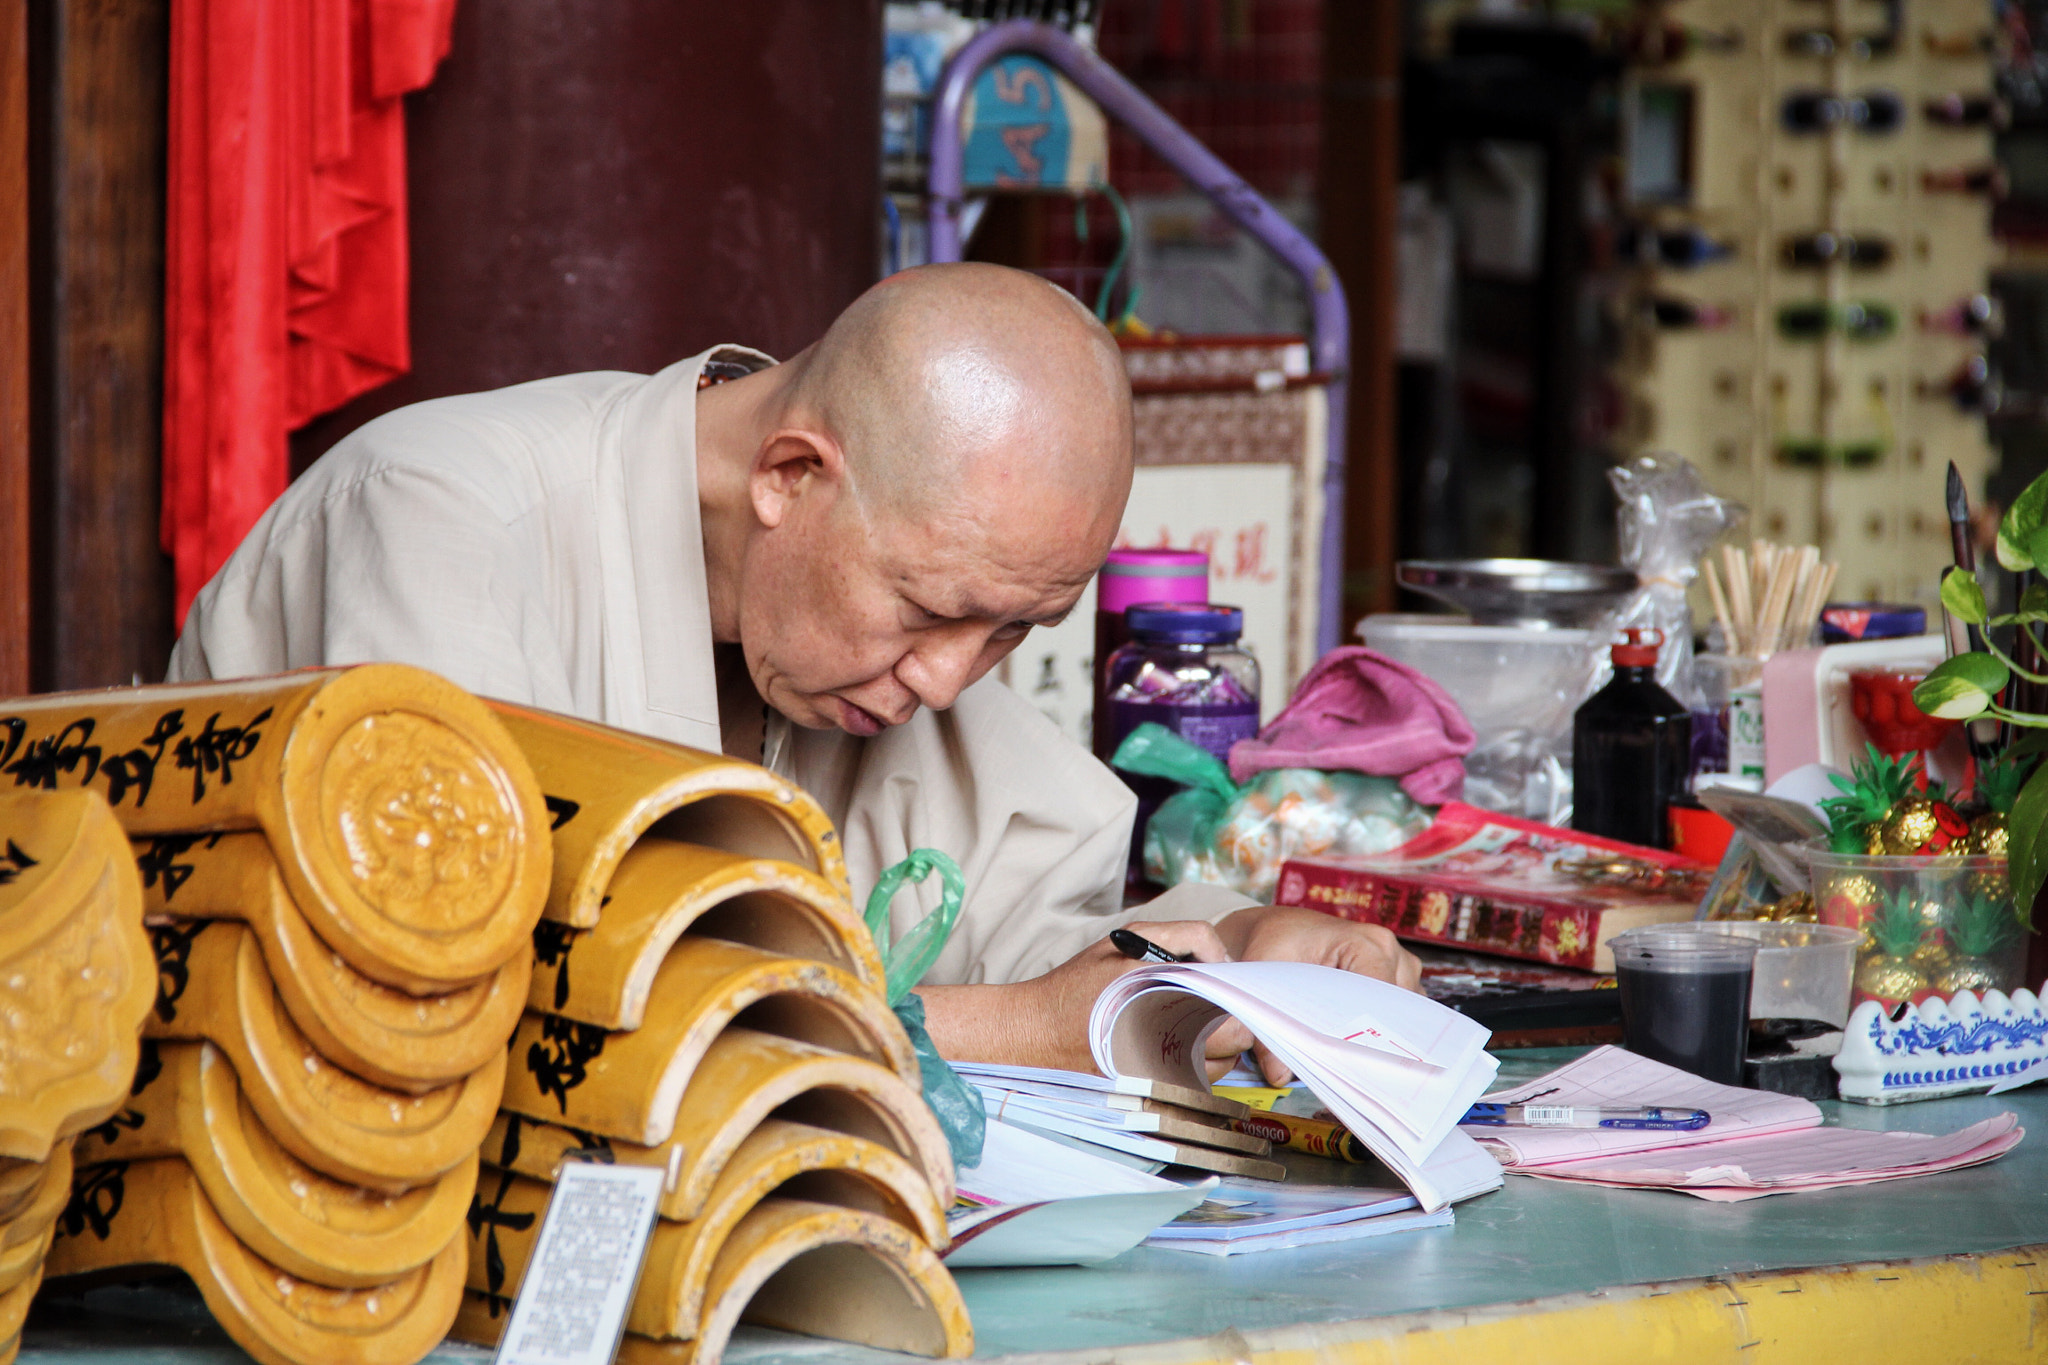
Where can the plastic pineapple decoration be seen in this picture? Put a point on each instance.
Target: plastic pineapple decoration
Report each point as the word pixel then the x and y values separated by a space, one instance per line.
pixel 1979 932
pixel 1890 973
pixel 1998 786
pixel 1884 810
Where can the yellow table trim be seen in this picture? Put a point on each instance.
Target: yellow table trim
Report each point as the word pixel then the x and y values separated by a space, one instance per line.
pixel 1984 1309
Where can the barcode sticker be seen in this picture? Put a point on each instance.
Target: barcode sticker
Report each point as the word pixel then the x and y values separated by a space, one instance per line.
pixel 1559 1115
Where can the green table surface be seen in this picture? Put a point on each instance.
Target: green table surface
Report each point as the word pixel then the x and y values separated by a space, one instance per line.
pixel 1532 1239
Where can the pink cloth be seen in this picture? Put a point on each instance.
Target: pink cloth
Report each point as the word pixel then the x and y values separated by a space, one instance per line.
pixel 1363 711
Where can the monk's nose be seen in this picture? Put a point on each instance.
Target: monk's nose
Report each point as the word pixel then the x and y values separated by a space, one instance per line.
pixel 939 670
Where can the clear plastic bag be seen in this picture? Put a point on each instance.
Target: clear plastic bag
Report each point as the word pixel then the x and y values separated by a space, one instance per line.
pixel 1222 834
pixel 1666 521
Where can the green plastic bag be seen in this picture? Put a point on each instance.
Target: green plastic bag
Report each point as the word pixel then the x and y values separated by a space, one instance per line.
pixel 1187 820
pixel 956 1104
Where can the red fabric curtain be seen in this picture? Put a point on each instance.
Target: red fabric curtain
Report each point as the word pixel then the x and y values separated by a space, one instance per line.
pixel 285 264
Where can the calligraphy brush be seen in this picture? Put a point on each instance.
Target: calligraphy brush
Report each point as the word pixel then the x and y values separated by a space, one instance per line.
pixel 1982 747
pixel 1959 536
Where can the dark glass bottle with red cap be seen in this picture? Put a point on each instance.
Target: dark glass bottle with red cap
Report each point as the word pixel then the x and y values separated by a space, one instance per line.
pixel 1631 750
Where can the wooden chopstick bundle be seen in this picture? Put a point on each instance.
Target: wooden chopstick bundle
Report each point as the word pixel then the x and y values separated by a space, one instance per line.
pixel 1768 598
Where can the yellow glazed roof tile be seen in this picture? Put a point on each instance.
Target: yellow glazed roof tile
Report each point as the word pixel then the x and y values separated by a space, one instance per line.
pixel 303 1221
pixel 76 976
pixel 151 1214
pixel 628 1084
pixel 215 987
pixel 824 1167
pixel 664 889
pixel 406 823
pixel 390 1037
pixel 744 1078
pixel 607 787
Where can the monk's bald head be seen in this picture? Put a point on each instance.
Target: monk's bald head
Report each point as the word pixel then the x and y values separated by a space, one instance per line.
pixel 890 513
pixel 954 381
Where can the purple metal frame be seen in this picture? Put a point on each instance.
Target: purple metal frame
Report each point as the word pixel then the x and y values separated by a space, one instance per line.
pixel 1330 344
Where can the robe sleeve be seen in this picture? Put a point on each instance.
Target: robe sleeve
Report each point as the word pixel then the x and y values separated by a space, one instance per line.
pixel 393 563
pixel 1040 829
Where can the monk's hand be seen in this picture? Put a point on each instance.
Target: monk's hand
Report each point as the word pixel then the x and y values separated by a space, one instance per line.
pixel 1069 991
pixel 1044 1021
pixel 1286 933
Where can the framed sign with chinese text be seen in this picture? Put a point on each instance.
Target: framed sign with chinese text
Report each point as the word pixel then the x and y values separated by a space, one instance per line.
pixel 1231 436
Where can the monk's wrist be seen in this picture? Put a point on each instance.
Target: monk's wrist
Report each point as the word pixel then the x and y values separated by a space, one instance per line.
pixel 1021 1024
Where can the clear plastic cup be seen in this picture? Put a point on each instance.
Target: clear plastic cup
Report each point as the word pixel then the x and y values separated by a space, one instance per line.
pixel 1803 971
pixel 1685 997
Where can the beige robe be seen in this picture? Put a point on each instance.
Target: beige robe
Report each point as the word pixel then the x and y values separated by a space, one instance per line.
pixel 542 544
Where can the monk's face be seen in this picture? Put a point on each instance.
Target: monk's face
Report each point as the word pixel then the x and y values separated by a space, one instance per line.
pixel 852 617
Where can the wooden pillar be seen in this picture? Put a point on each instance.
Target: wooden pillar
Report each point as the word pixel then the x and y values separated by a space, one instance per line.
pixel 102 603
pixel 593 187
pixel 619 185
pixel 1357 213
pixel 14 462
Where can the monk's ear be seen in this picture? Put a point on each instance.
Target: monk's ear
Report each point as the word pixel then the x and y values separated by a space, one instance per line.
pixel 794 464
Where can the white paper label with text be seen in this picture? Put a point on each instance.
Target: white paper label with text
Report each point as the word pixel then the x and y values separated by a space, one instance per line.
pixel 579 1283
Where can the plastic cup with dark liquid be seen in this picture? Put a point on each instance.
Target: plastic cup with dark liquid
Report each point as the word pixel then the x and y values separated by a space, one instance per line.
pixel 1685 998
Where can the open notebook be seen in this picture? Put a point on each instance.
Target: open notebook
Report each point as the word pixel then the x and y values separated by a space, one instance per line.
pixel 1398 1069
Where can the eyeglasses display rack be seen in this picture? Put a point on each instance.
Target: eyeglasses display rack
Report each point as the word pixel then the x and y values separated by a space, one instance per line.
pixel 1808 317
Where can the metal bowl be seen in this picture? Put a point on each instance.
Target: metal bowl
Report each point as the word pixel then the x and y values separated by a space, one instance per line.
pixel 1520 592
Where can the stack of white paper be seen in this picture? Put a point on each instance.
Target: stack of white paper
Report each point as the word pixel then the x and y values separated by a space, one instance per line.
pixel 1398 1069
pixel 1259 1215
pixel 1018 1166
pixel 1044 1203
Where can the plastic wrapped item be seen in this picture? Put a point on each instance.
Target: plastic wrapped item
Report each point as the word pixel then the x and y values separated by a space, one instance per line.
pixel 1225 835
pixel 1743 888
pixel 956 1104
pixel 1666 520
pixel 1519 772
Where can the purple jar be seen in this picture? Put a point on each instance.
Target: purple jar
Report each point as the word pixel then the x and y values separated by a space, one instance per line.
pixel 1131 578
pixel 1183 669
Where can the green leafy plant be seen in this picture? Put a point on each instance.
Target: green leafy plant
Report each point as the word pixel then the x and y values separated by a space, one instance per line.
pixel 1972 685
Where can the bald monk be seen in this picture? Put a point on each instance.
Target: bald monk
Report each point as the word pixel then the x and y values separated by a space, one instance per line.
pixel 812 565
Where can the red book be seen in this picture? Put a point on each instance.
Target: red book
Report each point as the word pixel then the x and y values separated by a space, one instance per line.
pixel 1499 884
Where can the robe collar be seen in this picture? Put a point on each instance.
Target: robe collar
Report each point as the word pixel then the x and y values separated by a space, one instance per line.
pixel 657 631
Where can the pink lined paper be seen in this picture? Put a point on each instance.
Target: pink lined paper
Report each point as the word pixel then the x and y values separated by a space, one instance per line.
pixel 1823 1158
pixel 1613 1076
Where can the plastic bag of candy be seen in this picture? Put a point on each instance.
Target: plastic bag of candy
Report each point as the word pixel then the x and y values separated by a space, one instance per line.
pixel 1238 836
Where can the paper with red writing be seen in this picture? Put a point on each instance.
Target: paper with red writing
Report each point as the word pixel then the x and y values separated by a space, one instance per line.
pixel 1398 1069
pixel 1811 1159
pixel 1612 1077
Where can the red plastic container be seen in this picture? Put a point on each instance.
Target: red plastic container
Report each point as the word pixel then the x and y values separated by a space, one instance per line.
pixel 1882 701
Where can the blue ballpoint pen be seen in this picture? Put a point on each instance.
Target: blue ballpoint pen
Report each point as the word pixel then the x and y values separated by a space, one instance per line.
pixel 1584 1116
